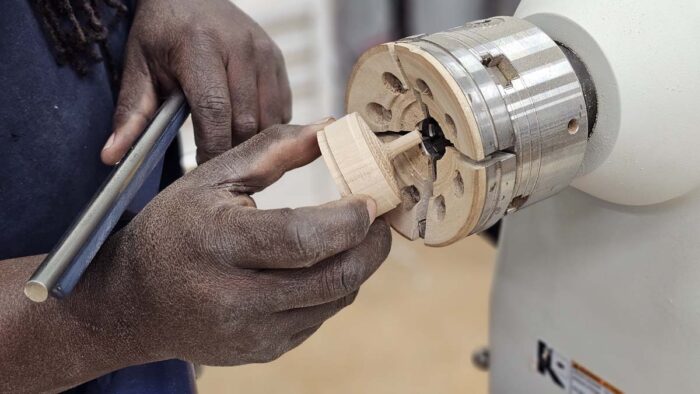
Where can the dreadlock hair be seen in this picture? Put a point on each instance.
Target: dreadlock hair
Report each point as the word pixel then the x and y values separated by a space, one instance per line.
pixel 78 32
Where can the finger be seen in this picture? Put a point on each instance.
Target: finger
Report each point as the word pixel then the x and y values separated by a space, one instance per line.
pixel 277 347
pixel 301 319
pixel 330 280
pixel 242 83
pixel 136 105
pixel 271 106
pixel 262 160
pixel 299 338
pixel 285 93
pixel 203 78
pixel 291 238
pixel 270 101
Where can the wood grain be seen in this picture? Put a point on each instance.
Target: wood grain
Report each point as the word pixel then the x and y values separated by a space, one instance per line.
pixel 394 87
pixel 360 163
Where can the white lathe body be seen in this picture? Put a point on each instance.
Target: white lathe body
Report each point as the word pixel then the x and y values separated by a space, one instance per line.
pixel 608 276
pixel 597 286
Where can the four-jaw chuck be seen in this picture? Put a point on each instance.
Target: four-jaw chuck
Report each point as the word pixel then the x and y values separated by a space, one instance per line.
pixel 504 114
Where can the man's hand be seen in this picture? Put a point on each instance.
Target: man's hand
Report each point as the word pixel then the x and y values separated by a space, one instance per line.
pixel 200 274
pixel 217 281
pixel 232 74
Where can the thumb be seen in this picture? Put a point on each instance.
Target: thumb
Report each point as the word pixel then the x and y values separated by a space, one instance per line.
pixel 137 103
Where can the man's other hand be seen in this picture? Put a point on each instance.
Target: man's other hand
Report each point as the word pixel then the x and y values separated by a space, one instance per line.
pixel 232 74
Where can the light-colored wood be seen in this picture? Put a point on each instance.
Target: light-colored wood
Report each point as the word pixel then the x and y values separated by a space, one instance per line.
pixel 374 81
pixel 455 206
pixel 395 86
pixel 360 163
pixel 396 147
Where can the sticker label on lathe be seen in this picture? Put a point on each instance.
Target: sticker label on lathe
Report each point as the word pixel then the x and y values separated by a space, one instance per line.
pixel 570 376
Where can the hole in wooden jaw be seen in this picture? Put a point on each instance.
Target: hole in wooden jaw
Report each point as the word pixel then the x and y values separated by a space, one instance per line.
pixel 423 88
pixel 378 114
pixel 440 207
pixel 393 83
pixel 410 195
pixel 458 183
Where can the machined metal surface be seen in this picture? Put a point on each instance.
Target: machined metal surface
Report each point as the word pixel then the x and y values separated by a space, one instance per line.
pixel 527 119
pixel 63 267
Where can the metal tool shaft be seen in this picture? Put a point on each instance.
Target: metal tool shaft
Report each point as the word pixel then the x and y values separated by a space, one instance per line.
pixel 60 271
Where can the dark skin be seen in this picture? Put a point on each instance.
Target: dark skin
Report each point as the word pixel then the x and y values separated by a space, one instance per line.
pixel 188 279
pixel 232 74
pixel 200 274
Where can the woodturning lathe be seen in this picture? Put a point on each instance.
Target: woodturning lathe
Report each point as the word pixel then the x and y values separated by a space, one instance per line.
pixel 595 289
pixel 503 112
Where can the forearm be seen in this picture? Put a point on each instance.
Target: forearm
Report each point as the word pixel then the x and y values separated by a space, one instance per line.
pixel 61 343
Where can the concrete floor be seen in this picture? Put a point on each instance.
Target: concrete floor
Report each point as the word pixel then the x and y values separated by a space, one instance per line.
pixel 412 329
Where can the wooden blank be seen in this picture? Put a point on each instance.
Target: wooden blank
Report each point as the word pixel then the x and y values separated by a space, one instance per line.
pixel 360 163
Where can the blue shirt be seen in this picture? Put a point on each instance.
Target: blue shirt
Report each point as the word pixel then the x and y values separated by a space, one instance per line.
pixel 53 124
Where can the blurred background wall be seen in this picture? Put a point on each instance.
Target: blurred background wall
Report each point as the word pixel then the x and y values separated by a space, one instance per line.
pixel 415 323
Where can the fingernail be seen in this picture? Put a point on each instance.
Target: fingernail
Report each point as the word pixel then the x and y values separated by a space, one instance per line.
pixel 323 121
pixel 371 208
pixel 109 143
